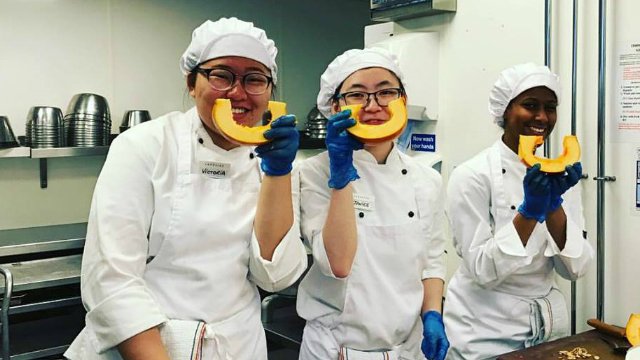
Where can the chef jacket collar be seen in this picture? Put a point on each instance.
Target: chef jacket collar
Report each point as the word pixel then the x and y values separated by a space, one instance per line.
pixel 393 159
pixel 507 153
pixel 199 132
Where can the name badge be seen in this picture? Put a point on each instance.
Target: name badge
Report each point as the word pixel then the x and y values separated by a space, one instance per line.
pixel 214 170
pixel 364 202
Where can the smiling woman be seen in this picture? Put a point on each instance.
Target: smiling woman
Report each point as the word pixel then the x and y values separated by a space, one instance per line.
pixel 504 288
pixel 173 260
pixel 367 212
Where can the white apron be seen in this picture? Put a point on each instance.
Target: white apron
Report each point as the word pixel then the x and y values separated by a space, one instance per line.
pixel 373 312
pixel 483 321
pixel 215 215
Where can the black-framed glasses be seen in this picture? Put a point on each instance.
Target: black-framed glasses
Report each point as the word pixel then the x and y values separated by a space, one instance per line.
pixel 383 97
pixel 254 83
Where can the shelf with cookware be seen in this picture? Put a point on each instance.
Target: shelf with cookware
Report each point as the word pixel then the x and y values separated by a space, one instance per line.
pixel 41 283
pixel 43 154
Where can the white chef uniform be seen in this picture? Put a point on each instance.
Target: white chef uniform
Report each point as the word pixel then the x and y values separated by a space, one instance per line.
pixel 167 182
pixel 400 218
pixel 503 296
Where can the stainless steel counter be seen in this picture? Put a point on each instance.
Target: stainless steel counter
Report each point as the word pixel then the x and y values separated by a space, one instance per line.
pixel 41 239
pixel 38 274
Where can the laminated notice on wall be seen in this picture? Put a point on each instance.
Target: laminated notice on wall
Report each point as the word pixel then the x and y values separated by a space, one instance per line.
pixel 423 142
pixel 627 93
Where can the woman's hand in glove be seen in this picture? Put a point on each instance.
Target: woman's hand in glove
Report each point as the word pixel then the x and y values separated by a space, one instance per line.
pixel 560 183
pixel 278 154
pixel 340 146
pixel 434 339
pixel 537 194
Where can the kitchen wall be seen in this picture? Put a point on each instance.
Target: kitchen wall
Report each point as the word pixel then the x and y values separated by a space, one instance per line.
pixel 128 51
pixel 485 36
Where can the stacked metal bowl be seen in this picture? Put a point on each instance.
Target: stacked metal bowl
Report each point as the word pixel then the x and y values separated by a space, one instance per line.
pixel 316 127
pixel 7 137
pixel 134 117
pixel 88 121
pixel 44 127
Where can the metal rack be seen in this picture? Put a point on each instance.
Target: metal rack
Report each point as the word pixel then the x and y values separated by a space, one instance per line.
pixel 40 286
pixel 45 153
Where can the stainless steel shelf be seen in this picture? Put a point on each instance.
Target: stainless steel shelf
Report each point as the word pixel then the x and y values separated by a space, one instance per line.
pixel 38 274
pixel 68 152
pixel 15 152
pixel 42 238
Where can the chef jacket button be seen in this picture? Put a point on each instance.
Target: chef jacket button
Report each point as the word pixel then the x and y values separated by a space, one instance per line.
pixel 404 171
pixel 504 171
pixel 513 207
pixel 200 141
pixel 411 214
pixel 251 156
pixel 361 214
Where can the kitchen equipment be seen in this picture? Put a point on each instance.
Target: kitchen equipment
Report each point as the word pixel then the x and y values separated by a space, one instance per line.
pixel 7 138
pixel 617 345
pixel 316 127
pixel 134 117
pixel 604 328
pixel 44 127
pixel 88 121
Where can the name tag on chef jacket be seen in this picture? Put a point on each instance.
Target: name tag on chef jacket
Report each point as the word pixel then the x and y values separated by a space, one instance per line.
pixel 364 202
pixel 215 170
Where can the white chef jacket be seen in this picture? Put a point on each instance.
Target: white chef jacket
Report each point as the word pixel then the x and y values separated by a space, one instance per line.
pixel 170 236
pixel 490 301
pixel 400 218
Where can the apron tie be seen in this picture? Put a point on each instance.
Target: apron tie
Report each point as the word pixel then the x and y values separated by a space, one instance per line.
pixel 219 341
pixel 549 318
pixel 352 354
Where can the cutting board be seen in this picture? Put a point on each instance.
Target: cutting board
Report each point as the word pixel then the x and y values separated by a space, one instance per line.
pixel 590 340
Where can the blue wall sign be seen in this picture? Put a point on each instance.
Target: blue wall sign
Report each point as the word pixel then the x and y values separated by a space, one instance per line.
pixel 423 142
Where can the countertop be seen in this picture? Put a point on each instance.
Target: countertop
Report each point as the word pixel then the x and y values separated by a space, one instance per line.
pixel 590 340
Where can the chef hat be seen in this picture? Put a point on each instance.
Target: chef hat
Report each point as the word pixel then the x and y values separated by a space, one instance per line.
pixel 348 63
pixel 514 81
pixel 229 37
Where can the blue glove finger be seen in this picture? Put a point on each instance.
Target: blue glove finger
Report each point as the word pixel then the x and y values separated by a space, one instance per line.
pixel 425 349
pixel 355 144
pixel 434 337
pixel 277 149
pixel 432 346
pixel 345 114
pixel 283 121
pixel 540 185
pixel 280 132
pixel 558 186
pixel 338 128
pixel 442 350
pixel 278 154
pixel 532 173
pixel 537 194
pixel 574 173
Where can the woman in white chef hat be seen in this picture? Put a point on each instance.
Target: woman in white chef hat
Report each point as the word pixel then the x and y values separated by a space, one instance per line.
pixel 174 250
pixel 514 228
pixel 374 219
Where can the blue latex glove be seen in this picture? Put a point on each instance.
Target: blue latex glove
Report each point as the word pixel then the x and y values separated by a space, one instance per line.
pixel 434 340
pixel 278 154
pixel 340 146
pixel 537 194
pixel 560 183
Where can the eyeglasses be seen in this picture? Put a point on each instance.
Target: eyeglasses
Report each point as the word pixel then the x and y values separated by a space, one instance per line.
pixel 383 97
pixel 254 83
